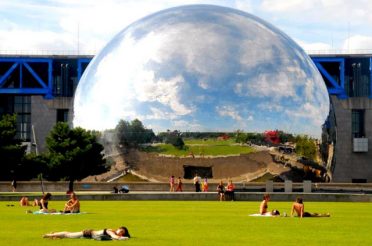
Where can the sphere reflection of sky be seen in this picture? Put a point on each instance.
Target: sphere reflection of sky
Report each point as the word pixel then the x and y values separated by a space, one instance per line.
pixel 202 68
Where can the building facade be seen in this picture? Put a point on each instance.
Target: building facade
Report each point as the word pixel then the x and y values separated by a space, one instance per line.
pixel 39 89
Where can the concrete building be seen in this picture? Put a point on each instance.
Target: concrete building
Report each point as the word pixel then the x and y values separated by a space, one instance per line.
pixel 40 90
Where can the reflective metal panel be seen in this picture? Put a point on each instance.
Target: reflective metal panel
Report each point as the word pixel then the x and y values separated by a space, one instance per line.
pixel 203 68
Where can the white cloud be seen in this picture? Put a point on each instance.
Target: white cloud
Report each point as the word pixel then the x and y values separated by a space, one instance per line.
pixel 270 106
pixel 358 43
pixel 229 111
pixel 184 125
pixel 288 5
pixel 316 46
pixel 308 111
pixel 98 21
pixel 244 5
pixel 158 114
pixel 36 41
pixel 267 85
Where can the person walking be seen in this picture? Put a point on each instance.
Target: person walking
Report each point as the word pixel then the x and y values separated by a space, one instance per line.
pixel 179 184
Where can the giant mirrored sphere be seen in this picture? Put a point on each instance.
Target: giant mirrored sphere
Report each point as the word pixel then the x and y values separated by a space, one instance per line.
pixel 202 68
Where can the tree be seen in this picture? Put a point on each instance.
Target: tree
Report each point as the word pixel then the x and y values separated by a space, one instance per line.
pixel 132 134
pixel 306 147
pixel 32 165
pixel 174 138
pixel 11 150
pixel 240 136
pixel 73 153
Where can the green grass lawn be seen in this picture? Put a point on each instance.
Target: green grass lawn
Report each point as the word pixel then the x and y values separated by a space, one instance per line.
pixel 210 147
pixel 192 223
pixel 209 141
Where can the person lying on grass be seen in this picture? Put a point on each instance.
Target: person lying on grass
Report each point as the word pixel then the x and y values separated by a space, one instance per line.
pixel 299 208
pixel 121 233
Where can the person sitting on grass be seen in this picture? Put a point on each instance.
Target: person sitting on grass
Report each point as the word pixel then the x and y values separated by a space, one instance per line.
pixel 264 204
pixel 72 205
pixel 24 201
pixel 264 207
pixel 43 203
pixel 299 208
pixel 121 233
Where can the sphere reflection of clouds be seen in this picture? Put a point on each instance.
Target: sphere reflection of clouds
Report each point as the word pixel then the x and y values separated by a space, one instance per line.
pixel 202 68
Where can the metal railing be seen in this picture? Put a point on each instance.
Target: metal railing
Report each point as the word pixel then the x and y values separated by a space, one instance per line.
pixel 48 52
pixel 94 52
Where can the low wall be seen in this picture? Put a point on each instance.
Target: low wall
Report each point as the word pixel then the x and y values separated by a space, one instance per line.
pixel 34 186
pixel 206 196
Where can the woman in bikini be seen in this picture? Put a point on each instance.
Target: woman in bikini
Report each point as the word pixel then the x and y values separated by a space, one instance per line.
pixel 72 205
pixel 264 206
pixel 299 208
pixel 121 233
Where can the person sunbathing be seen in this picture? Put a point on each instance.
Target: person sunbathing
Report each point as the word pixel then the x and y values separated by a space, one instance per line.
pixel 24 202
pixel 121 233
pixel 72 205
pixel 264 207
pixel 299 208
pixel 43 204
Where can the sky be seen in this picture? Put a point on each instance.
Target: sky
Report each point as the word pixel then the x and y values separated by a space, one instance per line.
pixel 85 26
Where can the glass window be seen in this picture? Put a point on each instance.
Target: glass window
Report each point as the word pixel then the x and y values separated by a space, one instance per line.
pixel 22 107
pixel 357 77
pixel 62 115
pixel 357 123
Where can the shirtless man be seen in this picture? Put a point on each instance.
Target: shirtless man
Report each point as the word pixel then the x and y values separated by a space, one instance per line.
pixel 299 208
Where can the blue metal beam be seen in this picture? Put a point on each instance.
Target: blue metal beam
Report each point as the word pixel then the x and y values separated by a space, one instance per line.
pixel 20 75
pixel 80 69
pixel 370 77
pixel 49 94
pixel 327 75
pixel 40 91
pixel 46 89
pixel 6 75
pixel 17 59
pixel 338 89
pixel 38 79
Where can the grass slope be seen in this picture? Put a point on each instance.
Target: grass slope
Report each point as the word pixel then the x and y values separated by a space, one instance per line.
pixel 192 223
pixel 209 147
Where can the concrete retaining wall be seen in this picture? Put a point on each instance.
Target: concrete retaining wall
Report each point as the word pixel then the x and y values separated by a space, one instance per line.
pixel 206 196
pixel 34 186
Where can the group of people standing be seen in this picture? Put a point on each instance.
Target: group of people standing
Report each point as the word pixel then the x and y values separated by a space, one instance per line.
pixel 202 186
pixel 173 184
pixel 228 191
pixel 178 185
pixel 199 185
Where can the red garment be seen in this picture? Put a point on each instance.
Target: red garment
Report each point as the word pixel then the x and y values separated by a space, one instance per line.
pixel 230 187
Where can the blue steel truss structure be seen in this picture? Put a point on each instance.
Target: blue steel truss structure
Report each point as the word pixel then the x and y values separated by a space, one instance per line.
pixel 334 87
pixel 370 77
pixel 20 66
pixel 45 86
